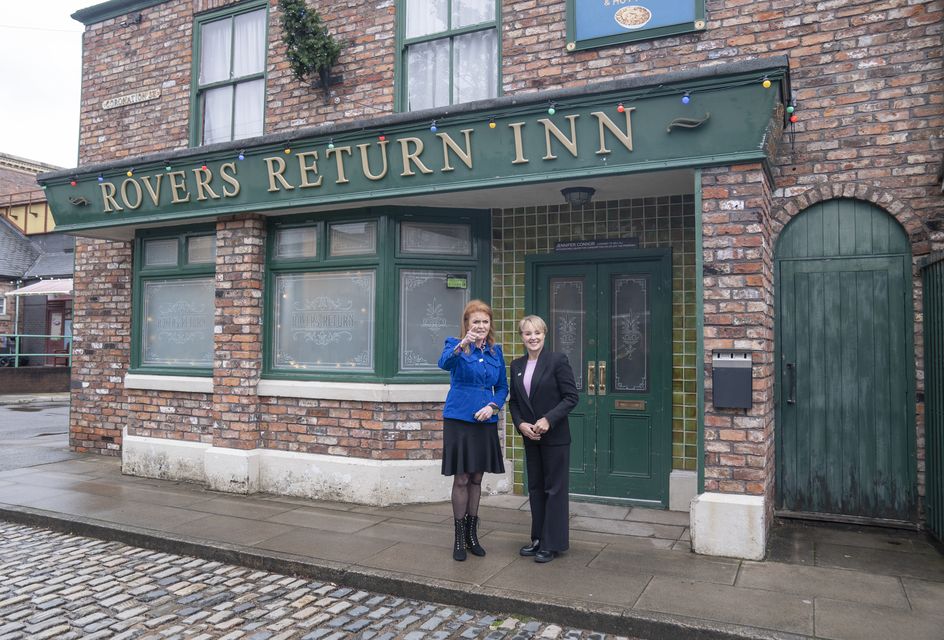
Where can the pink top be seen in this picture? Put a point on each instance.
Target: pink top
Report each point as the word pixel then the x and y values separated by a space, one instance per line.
pixel 528 373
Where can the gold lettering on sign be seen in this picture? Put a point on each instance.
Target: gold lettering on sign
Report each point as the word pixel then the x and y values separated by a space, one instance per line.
pixel 305 168
pixel 625 138
pixel 138 194
pixel 463 154
pixel 276 173
pixel 339 159
pixel 203 177
pixel 412 156
pixel 551 129
pixel 365 164
pixel 177 186
pixel 154 191
pixel 231 180
pixel 108 197
pixel 519 145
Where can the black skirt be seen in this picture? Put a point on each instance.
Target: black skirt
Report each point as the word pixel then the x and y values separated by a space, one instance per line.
pixel 471 447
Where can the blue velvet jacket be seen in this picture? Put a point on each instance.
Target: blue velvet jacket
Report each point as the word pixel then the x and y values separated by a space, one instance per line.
pixel 475 379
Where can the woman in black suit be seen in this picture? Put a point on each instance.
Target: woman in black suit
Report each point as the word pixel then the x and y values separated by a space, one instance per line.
pixel 543 392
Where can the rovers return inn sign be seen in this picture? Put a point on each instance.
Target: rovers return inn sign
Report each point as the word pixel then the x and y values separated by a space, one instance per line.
pixel 580 137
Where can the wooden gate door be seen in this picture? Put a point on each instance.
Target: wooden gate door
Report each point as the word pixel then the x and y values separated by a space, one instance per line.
pixel 846 438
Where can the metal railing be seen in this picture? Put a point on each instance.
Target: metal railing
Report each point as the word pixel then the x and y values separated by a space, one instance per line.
pixel 933 281
pixel 12 353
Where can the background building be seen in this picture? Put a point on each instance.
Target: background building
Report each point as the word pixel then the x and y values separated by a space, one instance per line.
pixel 718 206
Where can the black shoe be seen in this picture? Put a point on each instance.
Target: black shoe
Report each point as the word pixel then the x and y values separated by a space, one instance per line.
pixel 530 549
pixel 544 556
pixel 472 536
pixel 458 549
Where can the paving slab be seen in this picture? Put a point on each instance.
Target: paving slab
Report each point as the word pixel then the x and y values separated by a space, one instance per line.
pixel 621 542
pixel 624 528
pixel 325 519
pixel 411 531
pixel 404 513
pixel 505 501
pixel 764 609
pixel 594 510
pixel 840 620
pixel 871 560
pixel 656 516
pixel 336 547
pixel 657 562
pixel 229 529
pixel 820 582
pixel 417 560
pixel 18 493
pixel 149 516
pixel 925 597
pixel 243 507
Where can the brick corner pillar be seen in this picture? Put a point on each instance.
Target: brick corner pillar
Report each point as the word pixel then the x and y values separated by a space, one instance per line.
pixel 732 517
pixel 232 463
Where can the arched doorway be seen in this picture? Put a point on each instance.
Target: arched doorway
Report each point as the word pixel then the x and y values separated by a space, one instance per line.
pixel 845 392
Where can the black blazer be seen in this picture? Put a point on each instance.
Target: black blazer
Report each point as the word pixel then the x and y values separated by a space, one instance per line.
pixel 553 396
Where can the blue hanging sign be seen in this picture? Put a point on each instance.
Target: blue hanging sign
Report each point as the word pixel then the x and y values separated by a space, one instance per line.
pixel 597 23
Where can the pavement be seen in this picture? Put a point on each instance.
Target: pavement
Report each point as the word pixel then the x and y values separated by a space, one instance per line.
pixel 630 571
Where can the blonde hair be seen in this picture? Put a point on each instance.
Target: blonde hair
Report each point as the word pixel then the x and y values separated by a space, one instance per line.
pixel 535 321
pixel 477 306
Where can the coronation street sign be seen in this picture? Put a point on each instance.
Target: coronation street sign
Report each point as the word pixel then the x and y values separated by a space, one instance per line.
pixel 131 98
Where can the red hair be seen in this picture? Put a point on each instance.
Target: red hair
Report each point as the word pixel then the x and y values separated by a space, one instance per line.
pixel 477 306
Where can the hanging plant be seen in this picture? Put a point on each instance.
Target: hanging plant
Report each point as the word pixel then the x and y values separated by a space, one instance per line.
pixel 311 49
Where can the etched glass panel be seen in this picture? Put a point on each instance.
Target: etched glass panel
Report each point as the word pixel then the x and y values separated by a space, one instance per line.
pixel 630 332
pixel 325 321
pixel 353 238
pixel 201 249
pixel 435 238
pixel 429 313
pixel 298 242
pixel 160 253
pixel 566 324
pixel 178 323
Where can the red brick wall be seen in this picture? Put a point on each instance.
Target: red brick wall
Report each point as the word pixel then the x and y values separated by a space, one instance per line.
pixel 738 314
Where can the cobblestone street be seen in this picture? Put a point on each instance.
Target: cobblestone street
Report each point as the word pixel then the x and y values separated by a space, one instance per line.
pixel 61 586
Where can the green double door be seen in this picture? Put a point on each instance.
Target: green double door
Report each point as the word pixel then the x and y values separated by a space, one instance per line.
pixel 611 316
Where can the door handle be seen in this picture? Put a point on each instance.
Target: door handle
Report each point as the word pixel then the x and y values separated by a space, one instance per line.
pixel 601 365
pixel 791 383
pixel 591 387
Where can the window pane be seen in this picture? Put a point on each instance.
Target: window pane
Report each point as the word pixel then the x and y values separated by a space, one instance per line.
pixel 249 43
pixel 424 17
pixel 467 12
pixel 160 253
pixel 630 332
pixel 201 249
pixel 325 321
pixel 429 312
pixel 217 115
pixel 430 237
pixel 248 112
pixel 566 324
pixel 178 323
pixel 476 67
pixel 300 242
pixel 428 75
pixel 353 239
pixel 215 47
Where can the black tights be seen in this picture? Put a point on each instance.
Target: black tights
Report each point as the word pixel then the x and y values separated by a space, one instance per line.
pixel 466 492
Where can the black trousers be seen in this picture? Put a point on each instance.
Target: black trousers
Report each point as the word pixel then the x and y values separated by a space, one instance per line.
pixel 548 489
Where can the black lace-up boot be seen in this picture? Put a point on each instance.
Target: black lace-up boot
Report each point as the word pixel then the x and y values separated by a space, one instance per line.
pixel 458 550
pixel 472 535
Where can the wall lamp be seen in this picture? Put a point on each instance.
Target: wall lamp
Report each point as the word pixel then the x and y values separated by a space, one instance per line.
pixel 578 196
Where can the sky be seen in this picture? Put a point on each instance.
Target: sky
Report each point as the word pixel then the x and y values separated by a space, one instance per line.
pixel 40 79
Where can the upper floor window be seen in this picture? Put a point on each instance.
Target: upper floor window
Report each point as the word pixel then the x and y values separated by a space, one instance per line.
pixel 449 52
pixel 230 69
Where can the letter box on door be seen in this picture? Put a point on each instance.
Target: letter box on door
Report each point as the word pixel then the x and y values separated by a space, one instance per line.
pixel 731 379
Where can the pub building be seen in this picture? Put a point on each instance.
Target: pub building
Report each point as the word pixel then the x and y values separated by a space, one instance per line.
pixel 720 208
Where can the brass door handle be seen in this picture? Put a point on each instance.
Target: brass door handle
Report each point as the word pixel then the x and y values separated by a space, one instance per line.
pixel 601 389
pixel 591 387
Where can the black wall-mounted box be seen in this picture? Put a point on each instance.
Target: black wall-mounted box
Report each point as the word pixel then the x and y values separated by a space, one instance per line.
pixel 731 379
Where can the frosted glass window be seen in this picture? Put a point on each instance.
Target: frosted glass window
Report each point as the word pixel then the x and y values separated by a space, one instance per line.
pixel 160 253
pixel 424 17
pixel 566 324
pixel 218 115
pixel 177 326
pixel 325 321
pixel 247 110
pixel 476 64
pixel 428 75
pixel 433 238
pixel 353 239
pixel 201 249
pixel 298 242
pixel 429 312
pixel 248 44
pixel 215 50
pixel 469 12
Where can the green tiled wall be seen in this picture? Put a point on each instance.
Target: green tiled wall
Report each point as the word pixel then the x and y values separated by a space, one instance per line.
pixel 657 222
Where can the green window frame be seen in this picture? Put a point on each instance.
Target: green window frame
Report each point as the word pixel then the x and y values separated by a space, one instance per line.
pixel 451 36
pixel 234 82
pixel 310 307
pixel 172 334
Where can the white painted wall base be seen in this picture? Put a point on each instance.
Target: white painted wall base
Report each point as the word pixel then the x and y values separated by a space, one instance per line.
pixel 683 487
pixel 308 475
pixel 729 525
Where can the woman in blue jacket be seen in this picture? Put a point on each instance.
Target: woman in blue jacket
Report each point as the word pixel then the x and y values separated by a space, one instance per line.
pixel 478 387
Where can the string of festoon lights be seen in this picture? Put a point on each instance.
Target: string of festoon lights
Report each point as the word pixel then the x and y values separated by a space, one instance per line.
pixel 687 97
